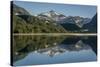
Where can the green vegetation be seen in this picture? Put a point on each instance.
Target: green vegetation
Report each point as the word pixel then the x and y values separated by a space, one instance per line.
pixel 31 24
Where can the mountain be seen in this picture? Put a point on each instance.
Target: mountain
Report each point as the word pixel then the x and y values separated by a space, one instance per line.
pixel 71 27
pixel 92 26
pixel 19 10
pixel 51 15
pixel 61 19
pixel 32 24
pixel 77 20
pixel 23 22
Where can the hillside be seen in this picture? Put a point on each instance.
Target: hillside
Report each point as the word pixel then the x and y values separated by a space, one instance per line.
pixel 23 22
pixel 19 10
pixel 92 26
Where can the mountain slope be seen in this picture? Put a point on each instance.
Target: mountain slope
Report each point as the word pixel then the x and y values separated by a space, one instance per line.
pixel 92 26
pixel 71 27
pixel 19 10
pixel 35 25
pixel 77 20
pixel 23 22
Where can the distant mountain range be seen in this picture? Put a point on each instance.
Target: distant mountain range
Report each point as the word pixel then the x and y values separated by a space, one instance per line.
pixel 53 21
pixel 60 18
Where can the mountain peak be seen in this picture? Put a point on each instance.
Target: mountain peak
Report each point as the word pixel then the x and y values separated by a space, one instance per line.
pixel 51 11
pixel 51 15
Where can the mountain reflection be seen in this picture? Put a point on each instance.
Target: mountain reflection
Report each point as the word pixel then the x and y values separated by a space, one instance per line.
pixel 58 49
pixel 50 45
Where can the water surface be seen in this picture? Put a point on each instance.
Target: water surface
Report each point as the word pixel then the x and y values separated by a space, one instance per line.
pixel 37 49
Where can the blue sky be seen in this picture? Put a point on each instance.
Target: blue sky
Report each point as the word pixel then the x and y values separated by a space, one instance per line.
pixel 66 9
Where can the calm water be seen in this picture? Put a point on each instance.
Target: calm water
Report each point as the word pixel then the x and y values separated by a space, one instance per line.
pixel 35 50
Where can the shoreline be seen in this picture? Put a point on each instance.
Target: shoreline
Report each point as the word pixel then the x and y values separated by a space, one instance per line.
pixel 55 34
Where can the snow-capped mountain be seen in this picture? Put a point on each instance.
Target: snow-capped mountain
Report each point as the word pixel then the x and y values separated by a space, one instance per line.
pixel 51 15
pixel 60 18
pixel 79 21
